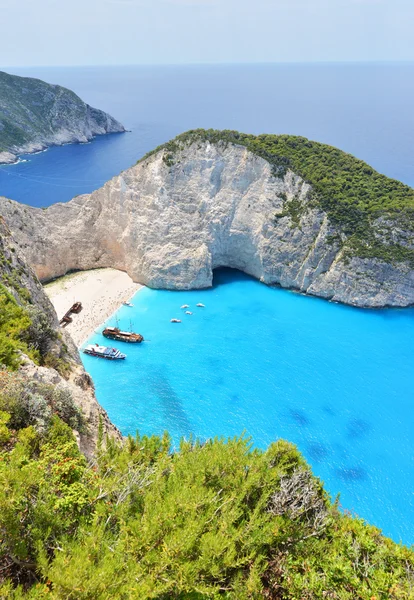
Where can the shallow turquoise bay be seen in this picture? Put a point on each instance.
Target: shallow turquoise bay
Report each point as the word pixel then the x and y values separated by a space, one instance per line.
pixel 337 381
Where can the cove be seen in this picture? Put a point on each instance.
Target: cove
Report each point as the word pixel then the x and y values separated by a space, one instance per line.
pixel 269 363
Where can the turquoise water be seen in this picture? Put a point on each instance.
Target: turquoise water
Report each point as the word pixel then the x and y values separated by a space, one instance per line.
pixel 335 380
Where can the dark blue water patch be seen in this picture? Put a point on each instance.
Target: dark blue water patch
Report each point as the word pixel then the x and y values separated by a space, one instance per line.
pixel 299 417
pixel 358 428
pixel 352 474
pixel 317 451
pixel 176 418
pixel 214 361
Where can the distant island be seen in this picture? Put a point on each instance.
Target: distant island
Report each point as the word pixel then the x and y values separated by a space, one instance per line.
pixel 35 115
pixel 284 209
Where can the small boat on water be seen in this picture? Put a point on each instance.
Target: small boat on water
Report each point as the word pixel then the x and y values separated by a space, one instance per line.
pixel 200 305
pixel 185 306
pixel 175 320
pixel 188 312
pixel 127 304
pixel 114 333
pixel 104 352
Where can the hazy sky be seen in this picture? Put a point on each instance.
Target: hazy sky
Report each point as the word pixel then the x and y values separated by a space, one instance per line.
pixel 90 32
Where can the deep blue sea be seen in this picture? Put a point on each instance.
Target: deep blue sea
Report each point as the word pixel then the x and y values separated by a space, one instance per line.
pixel 337 381
pixel 362 109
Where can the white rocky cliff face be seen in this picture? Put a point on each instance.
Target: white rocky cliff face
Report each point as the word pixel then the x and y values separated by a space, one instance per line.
pixel 170 223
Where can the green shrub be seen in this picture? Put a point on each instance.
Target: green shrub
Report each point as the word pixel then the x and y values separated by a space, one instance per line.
pixel 31 403
pixel 213 520
pixel 14 324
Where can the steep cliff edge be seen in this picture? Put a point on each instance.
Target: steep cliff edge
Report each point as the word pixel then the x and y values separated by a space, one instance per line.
pixel 36 351
pixel 35 115
pixel 283 209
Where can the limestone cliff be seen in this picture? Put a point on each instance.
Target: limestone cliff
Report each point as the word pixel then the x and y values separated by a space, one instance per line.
pixel 175 216
pixel 19 279
pixel 35 115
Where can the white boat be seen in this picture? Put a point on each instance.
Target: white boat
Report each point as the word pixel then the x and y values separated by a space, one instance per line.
pixel 185 306
pixel 200 305
pixel 175 321
pixel 187 312
pixel 104 352
pixel 127 304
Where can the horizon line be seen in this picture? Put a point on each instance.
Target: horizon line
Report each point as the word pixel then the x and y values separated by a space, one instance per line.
pixel 217 64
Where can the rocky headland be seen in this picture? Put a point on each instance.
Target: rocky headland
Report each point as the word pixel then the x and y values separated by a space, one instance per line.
pixel 35 115
pixel 288 211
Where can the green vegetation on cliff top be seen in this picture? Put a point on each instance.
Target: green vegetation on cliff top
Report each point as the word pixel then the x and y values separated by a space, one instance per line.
pixel 351 192
pixel 213 520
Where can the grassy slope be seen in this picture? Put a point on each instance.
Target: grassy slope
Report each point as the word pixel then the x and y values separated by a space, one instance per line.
pixel 351 192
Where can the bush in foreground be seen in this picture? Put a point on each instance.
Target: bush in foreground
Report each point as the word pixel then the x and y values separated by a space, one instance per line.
pixel 213 520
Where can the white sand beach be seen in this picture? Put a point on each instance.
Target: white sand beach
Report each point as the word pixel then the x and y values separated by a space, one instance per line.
pixel 101 292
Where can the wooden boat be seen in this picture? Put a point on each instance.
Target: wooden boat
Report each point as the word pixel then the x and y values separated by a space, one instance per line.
pixel 104 352
pixel 114 333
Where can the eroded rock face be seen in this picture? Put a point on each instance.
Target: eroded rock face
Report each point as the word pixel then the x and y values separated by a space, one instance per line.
pixel 18 277
pixel 169 223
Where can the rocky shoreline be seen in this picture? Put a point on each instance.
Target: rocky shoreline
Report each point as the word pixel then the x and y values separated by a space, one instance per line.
pixel 8 158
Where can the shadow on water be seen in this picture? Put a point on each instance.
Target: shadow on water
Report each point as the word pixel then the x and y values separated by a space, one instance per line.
pixel 227 276
pixel 171 404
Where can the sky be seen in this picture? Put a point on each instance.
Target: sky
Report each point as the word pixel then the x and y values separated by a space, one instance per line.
pixel 113 32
